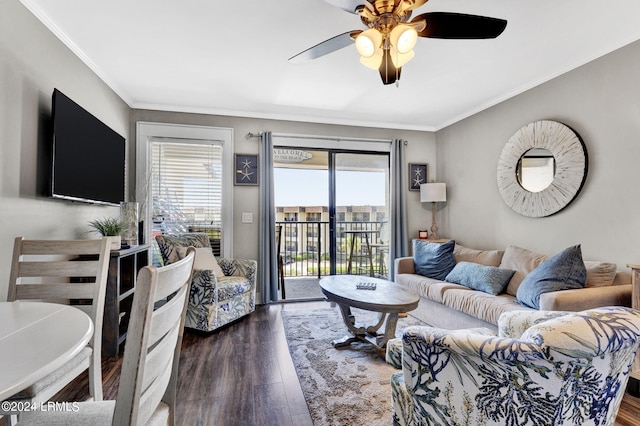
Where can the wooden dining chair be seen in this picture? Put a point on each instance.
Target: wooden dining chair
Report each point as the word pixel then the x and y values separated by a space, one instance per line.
pixel 69 272
pixel 147 390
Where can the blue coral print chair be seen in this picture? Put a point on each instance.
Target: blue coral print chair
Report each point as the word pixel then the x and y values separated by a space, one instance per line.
pixel 544 368
pixel 214 299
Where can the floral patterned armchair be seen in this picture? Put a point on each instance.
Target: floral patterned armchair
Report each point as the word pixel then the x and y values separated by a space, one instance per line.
pixel 544 368
pixel 214 300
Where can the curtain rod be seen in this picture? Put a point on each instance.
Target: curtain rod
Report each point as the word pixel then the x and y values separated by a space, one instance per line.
pixel 251 135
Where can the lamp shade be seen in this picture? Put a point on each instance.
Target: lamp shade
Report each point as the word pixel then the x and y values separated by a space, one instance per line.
pixel 403 37
pixel 433 192
pixel 399 59
pixel 368 42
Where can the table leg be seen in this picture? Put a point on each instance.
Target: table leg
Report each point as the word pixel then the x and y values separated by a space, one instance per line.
pixel 350 321
pixel 368 333
pixel 389 331
pixel 372 330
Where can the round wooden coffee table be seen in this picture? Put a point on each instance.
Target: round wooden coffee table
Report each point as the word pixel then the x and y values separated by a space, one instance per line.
pixel 388 298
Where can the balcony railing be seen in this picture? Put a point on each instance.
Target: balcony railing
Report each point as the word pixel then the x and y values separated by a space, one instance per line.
pixel 305 248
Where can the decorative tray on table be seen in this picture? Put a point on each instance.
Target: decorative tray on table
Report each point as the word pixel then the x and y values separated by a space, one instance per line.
pixel 366 286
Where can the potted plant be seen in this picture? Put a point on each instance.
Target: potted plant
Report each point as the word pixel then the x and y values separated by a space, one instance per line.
pixel 109 227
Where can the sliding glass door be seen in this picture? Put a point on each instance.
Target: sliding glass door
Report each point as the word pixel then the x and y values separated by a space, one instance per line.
pixel 361 212
pixel 332 209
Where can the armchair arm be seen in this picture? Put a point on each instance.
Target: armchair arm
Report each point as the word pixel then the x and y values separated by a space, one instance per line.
pixel 202 294
pixel 422 345
pixel 513 324
pixel 239 267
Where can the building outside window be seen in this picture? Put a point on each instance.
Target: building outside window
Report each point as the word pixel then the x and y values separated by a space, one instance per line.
pixel 314 217
pixel 361 216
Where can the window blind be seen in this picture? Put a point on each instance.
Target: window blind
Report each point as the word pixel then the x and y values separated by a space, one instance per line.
pixel 186 184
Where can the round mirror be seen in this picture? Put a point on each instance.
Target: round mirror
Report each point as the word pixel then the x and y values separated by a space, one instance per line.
pixel 542 168
pixel 536 169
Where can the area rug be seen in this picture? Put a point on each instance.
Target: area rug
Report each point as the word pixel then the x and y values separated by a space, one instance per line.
pixel 347 386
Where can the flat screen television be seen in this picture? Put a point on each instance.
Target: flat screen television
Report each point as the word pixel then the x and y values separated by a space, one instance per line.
pixel 88 157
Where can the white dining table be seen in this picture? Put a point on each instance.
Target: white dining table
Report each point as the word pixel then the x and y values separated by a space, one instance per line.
pixel 36 338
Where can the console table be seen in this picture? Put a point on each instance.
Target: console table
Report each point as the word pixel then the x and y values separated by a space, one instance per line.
pixel 121 284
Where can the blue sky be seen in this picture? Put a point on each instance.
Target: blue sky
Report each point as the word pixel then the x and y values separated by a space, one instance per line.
pixel 306 187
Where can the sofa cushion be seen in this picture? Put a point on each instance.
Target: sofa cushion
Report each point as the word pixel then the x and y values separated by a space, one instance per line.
pixel 433 260
pixel 522 261
pixel 488 279
pixel 481 305
pixel 483 257
pixel 622 278
pixel 600 274
pixel 427 287
pixel 563 271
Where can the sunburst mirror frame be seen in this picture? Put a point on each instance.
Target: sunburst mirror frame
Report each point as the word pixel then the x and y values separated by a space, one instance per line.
pixel 571 165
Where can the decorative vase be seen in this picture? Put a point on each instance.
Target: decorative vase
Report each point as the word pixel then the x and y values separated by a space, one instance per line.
pixel 129 219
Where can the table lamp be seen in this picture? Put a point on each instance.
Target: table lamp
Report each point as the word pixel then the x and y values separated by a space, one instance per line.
pixel 433 193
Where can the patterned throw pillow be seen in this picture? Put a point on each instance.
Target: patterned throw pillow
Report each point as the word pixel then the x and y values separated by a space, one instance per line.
pixel 433 260
pixel 563 271
pixel 168 243
pixel 488 279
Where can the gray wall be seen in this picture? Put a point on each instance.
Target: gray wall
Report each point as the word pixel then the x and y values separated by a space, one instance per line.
pixel 421 149
pixel 601 102
pixel 32 62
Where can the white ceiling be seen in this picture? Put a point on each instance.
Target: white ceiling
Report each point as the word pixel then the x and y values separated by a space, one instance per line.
pixel 230 57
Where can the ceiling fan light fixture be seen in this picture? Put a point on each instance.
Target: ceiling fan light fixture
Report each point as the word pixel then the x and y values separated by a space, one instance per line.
pixel 368 42
pixel 404 38
pixel 399 59
pixel 372 61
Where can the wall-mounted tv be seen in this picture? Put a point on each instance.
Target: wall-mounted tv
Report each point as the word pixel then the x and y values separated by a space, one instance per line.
pixel 88 157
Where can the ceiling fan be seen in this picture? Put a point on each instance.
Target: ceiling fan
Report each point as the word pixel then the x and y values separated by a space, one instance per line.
pixel 387 43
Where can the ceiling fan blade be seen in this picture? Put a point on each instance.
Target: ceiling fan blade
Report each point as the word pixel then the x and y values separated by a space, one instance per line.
pixel 328 46
pixel 460 26
pixel 349 5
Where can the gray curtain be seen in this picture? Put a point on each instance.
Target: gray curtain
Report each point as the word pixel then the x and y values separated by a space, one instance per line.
pixel 399 244
pixel 267 262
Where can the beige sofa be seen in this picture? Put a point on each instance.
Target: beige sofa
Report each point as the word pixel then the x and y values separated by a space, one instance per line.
pixel 452 306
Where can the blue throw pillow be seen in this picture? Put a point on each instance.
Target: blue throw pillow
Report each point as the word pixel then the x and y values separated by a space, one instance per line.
pixel 563 271
pixel 433 260
pixel 489 279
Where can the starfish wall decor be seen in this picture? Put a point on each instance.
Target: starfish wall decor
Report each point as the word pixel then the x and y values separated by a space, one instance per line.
pixel 246 169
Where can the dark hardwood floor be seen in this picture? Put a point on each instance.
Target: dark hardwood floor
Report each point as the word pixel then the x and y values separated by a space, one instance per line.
pixel 243 375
